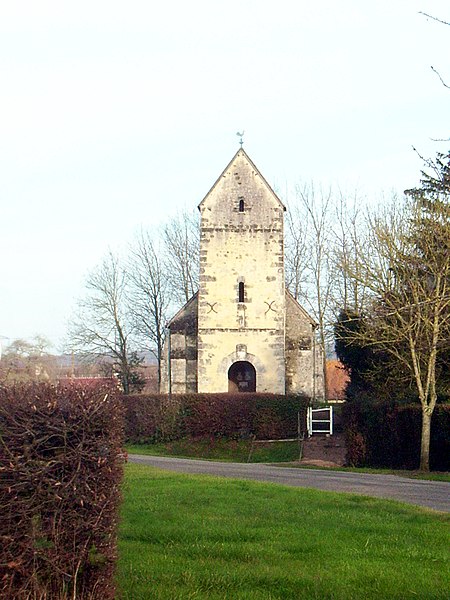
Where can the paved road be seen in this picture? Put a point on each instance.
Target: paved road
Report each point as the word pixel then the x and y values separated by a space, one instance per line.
pixel 430 494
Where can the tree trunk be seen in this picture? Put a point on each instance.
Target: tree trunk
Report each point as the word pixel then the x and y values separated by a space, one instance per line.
pixel 125 378
pixel 324 362
pixel 425 439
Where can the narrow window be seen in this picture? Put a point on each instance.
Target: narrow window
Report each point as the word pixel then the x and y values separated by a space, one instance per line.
pixel 241 205
pixel 241 292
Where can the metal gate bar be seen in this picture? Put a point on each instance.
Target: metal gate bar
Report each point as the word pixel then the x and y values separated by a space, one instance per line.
pixel 311 421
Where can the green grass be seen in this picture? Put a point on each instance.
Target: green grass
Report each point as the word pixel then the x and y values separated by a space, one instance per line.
pixel 185 537
pixel 221 449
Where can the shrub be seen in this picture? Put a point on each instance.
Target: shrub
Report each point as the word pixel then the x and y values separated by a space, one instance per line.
pixel 60 471
pixel 150 418
pixel 388 435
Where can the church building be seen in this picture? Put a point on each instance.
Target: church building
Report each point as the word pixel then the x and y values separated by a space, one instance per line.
pixel 242 331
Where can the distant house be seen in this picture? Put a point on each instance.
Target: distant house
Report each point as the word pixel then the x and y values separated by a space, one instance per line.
pixel 337 379
pixel 243 331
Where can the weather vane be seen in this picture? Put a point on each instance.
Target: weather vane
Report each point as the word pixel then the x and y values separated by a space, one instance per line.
pixel 241 135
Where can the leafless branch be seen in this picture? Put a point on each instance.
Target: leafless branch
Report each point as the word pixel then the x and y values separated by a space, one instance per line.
pixel 102 325
pixel 433 18
pixel 149 292
pixel 440 77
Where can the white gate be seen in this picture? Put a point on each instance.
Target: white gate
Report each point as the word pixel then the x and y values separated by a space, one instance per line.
pixel 320 420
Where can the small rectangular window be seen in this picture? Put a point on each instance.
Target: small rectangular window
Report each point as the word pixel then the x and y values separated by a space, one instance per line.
pixel 241 292
pixel 241 205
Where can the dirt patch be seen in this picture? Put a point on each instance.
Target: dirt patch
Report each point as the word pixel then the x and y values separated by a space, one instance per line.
pixel 319 463
pixel 324 449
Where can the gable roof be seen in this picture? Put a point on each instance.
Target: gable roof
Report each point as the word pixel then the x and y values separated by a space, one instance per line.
pixel 242 153
pixel 182 310
pixel 301 309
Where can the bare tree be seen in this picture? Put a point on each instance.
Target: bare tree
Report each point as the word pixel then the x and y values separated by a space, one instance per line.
pixel 102 326
pixel 296 250
pixel 324 232
pixel 406 270
pixel 149 293
pixel 25 360
pixel 313 269
pixel 347 248
pixel 181 240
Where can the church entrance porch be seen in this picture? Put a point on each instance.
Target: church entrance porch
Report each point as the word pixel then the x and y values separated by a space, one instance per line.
pixel 242 377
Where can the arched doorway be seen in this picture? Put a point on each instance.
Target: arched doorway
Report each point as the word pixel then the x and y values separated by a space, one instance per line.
pixel 242 377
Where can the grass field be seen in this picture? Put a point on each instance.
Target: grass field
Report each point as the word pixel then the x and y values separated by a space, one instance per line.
pixel 185 537
pixel 222 449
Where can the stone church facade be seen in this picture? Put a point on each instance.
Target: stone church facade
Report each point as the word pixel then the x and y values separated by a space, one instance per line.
pixel 242 331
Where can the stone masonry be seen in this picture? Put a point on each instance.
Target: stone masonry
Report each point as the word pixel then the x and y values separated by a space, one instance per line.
pixel 243 330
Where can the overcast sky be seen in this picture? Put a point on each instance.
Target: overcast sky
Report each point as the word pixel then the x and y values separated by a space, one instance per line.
pixel 118 114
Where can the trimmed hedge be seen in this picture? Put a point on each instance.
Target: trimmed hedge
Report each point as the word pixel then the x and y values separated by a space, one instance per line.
pixel 60 471
pixel 157 417
pixel 383 435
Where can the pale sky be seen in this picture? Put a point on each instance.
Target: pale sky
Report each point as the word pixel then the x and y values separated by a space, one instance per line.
pixel 115 115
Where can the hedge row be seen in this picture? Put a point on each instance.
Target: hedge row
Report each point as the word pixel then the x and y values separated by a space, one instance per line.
pixel 60 471
pixel 381 435
pixel 156 417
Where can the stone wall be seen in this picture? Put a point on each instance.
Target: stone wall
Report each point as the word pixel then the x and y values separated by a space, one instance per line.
pixel 241 243
pixel 183 351
pixel 304 358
